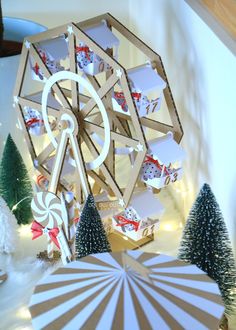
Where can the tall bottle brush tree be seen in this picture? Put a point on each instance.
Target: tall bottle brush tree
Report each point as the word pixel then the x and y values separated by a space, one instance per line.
pixel 15 186
pixel 206 243
pixel 90 234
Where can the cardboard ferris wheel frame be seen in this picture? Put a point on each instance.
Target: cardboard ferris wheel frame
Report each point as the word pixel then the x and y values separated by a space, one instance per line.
pixel 119 123
pixel 80 119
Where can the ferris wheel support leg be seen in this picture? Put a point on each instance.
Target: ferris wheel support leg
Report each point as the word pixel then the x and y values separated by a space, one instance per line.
pixel 81 167
pixel 57 166
pixel 79 191
pixel 96 187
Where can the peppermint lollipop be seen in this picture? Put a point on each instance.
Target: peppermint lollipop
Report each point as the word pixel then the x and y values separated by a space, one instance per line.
pixel 46 208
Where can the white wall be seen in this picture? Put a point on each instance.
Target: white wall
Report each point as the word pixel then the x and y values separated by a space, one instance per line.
pixel 53 13
pixel 202 76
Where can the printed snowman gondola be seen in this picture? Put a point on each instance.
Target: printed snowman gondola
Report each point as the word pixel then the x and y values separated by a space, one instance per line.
pixel 163 163
pixel 135 221
pixel 87 60
pixel 51 53
pixel 143 81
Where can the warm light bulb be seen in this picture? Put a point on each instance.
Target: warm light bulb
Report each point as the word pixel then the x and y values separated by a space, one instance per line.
pixel 168 227
pixel 126 238
pixel 23 313
pixel 25 230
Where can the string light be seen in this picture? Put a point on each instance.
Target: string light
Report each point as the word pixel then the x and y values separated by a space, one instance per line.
pixel 170 226
pixel 167 227
pixel 14 207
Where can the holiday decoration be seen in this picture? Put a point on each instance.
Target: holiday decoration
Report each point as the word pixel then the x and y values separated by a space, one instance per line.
pixel 38 230
pixel 47 211
pixel 3 276
pixel 135 221
pixel 44 204
pixel 206 244
pixel 87 60
pixel 8 229
pixel 131 290
pixel 90 234
pixel 161 168
pixel 15 186
pixel 51 54
pixel 34 121
pixel 87 133
pixel 143 80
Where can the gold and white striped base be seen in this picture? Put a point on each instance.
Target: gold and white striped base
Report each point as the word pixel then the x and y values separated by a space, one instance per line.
pixel 100 292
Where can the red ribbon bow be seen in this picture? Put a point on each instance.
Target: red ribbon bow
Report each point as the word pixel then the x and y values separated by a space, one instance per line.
pixel 36 68
pixel 38 230
pixel 120 95
pixel 136 96
pixel 155 162
pixel 76 220
pixel 44 58
pixel 84 49
pixel 123 221
pixel 32 121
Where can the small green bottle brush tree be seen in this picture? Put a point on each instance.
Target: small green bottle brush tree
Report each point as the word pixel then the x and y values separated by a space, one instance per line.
pixel 15 186
pixel 90 234
pixel 206 243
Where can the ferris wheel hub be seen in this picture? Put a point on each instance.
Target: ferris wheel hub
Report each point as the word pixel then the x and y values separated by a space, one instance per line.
pixel 63 124
pixel 68 123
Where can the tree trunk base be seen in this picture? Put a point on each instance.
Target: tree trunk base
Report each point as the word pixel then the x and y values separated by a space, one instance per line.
pixel 224 323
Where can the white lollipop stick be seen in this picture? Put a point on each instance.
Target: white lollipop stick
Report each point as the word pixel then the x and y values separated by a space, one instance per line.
pixel 65 251
pixel 50 247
